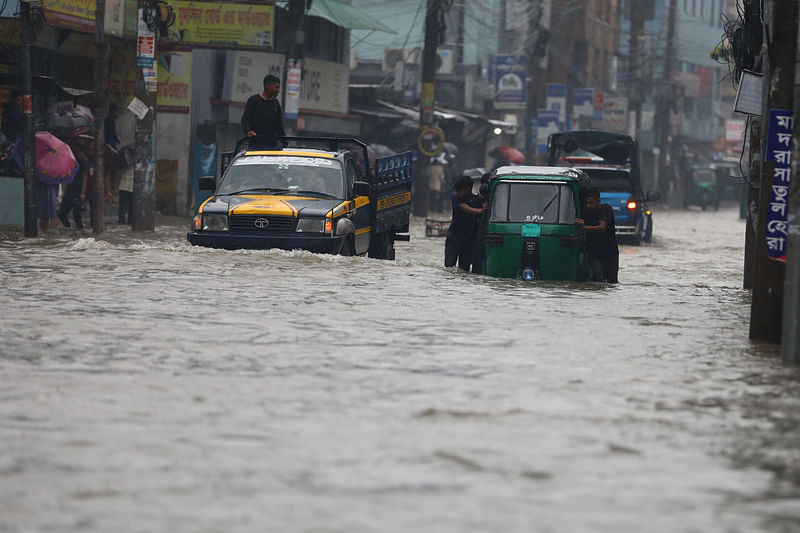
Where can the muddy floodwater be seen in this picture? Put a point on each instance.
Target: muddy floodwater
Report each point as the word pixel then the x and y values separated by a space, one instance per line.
pixel 150 386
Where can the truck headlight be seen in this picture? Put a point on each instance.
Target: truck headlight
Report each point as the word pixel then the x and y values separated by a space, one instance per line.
pixel 215 222
pixel 314 225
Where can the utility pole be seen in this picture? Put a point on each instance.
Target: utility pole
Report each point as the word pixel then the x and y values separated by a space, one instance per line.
pixel 635 63
pixel 791 294
pixel 766 316
pixel 100 71
pixel 29 138
pixel 427 99
pixel 535 77
pixel 144 172
pixel 665 103
pixel 754 171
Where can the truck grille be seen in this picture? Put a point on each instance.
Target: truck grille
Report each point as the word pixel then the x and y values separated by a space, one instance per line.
pixel 262 224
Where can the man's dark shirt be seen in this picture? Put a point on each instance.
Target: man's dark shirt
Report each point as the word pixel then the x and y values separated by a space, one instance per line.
pixel 110 132
pixel 464 226
pixel 601 244
pixel 13 122
pixel 73 188
pixel 265 117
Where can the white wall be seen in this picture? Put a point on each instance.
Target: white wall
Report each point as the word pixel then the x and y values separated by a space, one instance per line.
pixel 173 136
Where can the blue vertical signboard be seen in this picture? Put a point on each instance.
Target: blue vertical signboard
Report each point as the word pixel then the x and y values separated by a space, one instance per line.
pixel 557 100
pixel 583 103
pixel 779 150
pixel 548 122
pixel 510 86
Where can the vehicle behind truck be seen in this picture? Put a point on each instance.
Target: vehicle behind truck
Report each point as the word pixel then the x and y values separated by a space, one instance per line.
pixel 321 194
pixel 612 162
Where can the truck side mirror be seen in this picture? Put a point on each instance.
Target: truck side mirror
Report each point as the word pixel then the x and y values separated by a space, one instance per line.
pixel 360 188
pixel 653 196
pixel 208 183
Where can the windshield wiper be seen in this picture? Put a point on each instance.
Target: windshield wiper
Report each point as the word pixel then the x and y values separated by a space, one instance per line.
pixel 550 202
pixel 257 189
pixel 315 192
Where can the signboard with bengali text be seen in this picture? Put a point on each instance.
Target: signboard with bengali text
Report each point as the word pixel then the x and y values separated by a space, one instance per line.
pixel 510 81
pixel 174 81
pixel 80 15
pixel 779 151
pixel 215 23
pixel 324 86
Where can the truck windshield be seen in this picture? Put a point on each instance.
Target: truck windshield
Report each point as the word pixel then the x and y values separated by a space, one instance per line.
pixel 283 173
pixel 533 202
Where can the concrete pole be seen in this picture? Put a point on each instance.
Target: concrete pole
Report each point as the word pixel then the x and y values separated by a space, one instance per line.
pixel 766 316
pixel 635 63
pixel 29 139
pixel 427 100
pixel 752 201
pixel 791 290
pixel 665 129
pixel 535 78
pixel 144 172
pixel 100 71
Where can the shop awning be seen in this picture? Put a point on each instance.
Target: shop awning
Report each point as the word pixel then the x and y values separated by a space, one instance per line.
pixel 346 16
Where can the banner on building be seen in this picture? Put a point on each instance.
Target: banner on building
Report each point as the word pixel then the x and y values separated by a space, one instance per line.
pixel 80 15
pixel 232 24
pixel 548 122
pixel 779 150
pixel 614 116
pixel 174 82
pixel 294 78
pixel 599 105
pixel 325 86
pixel 557 100
pixel 510 81
pixel 245 71
pixel 145 44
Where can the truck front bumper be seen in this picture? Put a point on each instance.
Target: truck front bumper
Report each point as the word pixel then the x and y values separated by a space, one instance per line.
pixel 235 241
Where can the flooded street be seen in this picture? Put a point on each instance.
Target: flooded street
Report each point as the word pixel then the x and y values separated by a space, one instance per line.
pixel 148 385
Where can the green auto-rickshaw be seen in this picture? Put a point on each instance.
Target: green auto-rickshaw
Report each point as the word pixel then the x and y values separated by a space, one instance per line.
pixel 530 231
pixel 702 188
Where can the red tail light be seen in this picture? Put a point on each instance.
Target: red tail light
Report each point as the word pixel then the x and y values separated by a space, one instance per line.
pixel 632 205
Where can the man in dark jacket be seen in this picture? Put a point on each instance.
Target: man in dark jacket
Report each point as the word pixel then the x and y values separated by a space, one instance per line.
pixel 13 118
pixel 467 210
pixel 263 115
pixel 601 238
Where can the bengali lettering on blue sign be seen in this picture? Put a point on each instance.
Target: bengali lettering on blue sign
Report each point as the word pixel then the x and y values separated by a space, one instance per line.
pixel 779 150
pixel 510 79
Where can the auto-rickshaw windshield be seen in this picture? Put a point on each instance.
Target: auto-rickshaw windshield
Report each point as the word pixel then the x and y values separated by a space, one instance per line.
pixel 533 202
pixel 704 176
pixel 287 173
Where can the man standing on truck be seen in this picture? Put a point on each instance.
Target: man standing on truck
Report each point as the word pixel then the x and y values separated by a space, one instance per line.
pixel 602 250
pixel 263 115
pixel 459 244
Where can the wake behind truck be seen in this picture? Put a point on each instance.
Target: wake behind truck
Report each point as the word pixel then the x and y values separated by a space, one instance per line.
pixel 322 194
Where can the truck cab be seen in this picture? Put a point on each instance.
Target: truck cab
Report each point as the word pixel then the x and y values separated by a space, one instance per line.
pixel 317 194
pixel 611 160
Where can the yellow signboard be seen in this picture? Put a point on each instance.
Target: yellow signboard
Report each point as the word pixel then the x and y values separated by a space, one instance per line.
pixel 214 23
pixel 174 81
pixel 74 14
